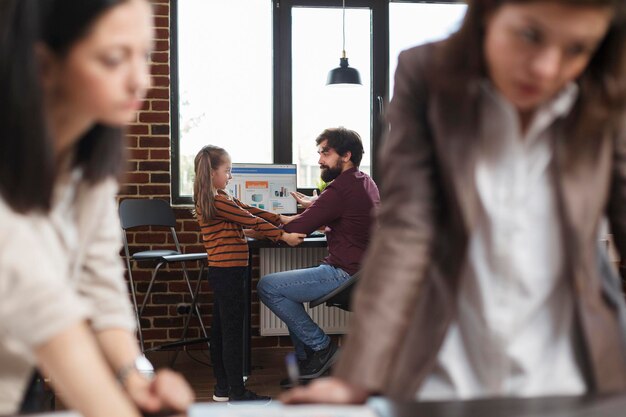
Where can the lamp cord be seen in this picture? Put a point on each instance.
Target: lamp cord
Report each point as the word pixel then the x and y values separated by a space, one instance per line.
pixel 344 28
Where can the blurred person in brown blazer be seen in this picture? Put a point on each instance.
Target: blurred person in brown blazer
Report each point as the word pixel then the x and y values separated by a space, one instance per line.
pixel 506 150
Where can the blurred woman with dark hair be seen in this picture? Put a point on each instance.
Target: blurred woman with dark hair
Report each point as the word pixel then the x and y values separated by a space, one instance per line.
pixel 72 74
pixel 507 150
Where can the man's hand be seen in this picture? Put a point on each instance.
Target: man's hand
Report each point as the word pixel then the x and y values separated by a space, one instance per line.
pixel 304 200
pixel 292 239
pixel 167 391
pixel 326 390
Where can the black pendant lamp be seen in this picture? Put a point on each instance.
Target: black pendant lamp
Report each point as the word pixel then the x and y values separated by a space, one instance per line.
pixel 344 74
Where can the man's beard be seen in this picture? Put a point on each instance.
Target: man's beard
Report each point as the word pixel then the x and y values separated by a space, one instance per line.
pixel 328 174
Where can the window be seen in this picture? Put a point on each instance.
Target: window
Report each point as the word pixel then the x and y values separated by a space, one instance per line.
pixel 316 107
pixel 224 82
pixel 249 75
pixel 412 24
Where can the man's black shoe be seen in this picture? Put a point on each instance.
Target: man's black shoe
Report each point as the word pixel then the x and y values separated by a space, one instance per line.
pixel 286 383
pixel 320 362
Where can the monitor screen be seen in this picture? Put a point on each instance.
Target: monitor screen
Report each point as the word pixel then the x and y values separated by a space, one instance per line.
pixel 266 186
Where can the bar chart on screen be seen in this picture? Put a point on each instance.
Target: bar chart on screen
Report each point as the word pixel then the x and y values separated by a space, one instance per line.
pixel 265 186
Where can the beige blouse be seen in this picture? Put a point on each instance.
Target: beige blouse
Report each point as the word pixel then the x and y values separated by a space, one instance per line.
pixel 56 270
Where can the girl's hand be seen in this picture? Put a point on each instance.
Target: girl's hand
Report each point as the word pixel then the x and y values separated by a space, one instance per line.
pixel 287 219
pixel 293 239
pixel 326 390
pixel 304 200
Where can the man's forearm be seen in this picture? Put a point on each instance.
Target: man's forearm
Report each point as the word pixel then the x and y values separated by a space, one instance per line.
pixel 310 220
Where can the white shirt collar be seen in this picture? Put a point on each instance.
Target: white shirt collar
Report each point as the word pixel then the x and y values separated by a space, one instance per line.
pixel 558 106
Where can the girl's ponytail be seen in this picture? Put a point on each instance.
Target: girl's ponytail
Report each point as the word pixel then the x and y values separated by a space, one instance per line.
pixel 210 157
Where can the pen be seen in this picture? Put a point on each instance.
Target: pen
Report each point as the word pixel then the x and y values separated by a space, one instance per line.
pixel 292 368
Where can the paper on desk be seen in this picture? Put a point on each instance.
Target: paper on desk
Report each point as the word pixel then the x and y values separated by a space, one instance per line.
pixel 276 409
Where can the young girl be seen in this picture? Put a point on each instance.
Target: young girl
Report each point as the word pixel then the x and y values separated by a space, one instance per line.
pixel 222 220
pixel 506 151
pixel 72 74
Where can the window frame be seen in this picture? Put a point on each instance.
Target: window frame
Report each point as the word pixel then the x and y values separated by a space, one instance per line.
pixel 282 79
pixel 174 114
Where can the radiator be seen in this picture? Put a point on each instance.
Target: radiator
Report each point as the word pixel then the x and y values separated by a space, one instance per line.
pixel 331 319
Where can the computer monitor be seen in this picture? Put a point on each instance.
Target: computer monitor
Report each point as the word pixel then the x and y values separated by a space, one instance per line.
pixel 266 186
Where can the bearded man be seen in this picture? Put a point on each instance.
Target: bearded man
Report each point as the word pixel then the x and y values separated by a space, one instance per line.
pixel 345 209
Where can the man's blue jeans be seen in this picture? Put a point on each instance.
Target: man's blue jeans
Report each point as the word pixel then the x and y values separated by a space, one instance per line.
pixel 284 293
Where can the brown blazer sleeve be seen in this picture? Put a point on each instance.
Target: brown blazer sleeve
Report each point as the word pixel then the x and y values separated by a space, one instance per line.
pixel 617 197
pixel 399 254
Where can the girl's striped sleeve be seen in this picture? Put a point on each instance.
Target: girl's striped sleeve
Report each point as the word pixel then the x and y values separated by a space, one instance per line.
pixel 264 214
pixel 230 211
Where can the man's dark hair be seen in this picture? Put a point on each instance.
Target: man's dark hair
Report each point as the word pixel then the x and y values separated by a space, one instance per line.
pixel 343 140
pixel 28 169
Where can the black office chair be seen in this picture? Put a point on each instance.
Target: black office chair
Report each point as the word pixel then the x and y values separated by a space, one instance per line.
pixel 340 297
pixel 137 213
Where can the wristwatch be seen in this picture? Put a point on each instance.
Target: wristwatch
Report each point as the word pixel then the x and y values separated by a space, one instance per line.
pixel 141 364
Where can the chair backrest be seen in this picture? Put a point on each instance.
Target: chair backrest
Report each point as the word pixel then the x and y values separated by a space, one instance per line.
pixel 136 213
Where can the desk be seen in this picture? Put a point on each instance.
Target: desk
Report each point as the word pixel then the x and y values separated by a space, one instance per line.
pixel 584 406
pixel 587 406
pixel 255 244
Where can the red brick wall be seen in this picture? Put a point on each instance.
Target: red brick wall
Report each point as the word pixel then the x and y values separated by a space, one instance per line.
pixel 149 177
